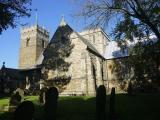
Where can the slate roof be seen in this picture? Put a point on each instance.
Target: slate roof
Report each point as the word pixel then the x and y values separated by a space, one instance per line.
pixel 12 73
pixel 40 58
pixel 114 51
pixel 63 30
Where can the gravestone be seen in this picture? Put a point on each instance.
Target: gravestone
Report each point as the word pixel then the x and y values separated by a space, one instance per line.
pixel 50 107
pixel 20 91
pixel 15 100
pixel 130 89
pixel 112 104
pixel 25 111
pixel 42 94
pixel 41 84
pixel 100 102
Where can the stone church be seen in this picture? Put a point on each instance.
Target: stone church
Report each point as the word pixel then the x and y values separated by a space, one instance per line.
pixel 91 58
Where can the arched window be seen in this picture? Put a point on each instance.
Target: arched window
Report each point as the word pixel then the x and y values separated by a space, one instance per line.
pixel 43 44
pixel 27 42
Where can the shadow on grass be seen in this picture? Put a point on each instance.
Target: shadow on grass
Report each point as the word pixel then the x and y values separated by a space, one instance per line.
pixel 6 116
pixel 138 107
pixel 76 108
pixel 72 108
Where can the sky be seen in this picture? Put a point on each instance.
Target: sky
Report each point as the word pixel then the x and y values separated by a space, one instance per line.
pixel 49 15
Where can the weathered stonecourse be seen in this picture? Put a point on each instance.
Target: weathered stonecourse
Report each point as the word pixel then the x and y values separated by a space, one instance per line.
pixel 100 103
pixel 34 40
pixel 51 101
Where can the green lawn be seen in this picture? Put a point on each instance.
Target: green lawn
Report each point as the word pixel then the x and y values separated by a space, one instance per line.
pixel 139 107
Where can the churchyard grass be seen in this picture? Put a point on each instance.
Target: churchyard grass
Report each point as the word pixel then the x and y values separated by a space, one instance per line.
pixel 4 101
pixel 138 107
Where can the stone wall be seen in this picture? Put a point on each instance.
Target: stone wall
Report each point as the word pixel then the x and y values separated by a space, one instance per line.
pixel 77 70
pixel 117 73
pixel 97 37
pixel 33 41
pixel 81 69
pixel 82 78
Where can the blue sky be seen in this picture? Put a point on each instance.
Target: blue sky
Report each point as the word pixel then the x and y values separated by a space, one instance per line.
pixel 49 15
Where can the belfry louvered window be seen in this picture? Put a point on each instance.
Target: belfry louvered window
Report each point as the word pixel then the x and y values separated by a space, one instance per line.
pixel 27 42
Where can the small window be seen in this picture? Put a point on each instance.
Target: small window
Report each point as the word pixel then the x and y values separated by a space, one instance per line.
pixel 43 44
pixel 27 42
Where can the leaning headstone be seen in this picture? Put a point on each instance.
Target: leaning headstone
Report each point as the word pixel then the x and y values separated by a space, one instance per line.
pixel 15 100
pixel 20 91
pixel 42 94
pixel 50 107
pixel 112 104
pixel 130 89
pixel 24 111
pixel 100 103
pixel 41 84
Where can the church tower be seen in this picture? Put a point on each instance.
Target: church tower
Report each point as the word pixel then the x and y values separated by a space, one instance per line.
pixel 34 40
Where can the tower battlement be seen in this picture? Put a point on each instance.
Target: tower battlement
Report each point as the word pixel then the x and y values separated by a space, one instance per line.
pixel 34 40
pixel 29 28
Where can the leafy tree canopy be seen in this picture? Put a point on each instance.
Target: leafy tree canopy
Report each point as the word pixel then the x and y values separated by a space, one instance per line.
pixel 11 10
pixel 55 55
pixel 135 18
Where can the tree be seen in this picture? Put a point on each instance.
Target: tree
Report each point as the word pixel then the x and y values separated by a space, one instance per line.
pixel 140 15
pixel 55 55
pixel 11 10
